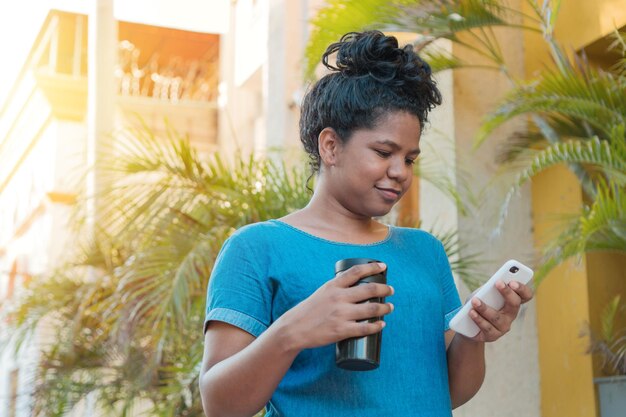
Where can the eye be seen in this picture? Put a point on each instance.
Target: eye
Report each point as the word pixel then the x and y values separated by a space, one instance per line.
pixel 409 161
pixel 382 154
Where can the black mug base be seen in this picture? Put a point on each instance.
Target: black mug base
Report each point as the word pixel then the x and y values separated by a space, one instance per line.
pixel 357 364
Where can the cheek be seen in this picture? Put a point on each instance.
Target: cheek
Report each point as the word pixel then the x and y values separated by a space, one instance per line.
pixel 365 166
pixel 406 183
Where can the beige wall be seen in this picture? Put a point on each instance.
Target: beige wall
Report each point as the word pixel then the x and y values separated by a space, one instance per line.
pixel 511 387
pixel 260 110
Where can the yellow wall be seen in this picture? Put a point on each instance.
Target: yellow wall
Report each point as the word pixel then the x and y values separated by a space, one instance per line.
pixel 581 22
pixel 562 299
pixel 572 297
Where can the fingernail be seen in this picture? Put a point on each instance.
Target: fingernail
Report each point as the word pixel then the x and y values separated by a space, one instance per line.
pixel 514 285
pixel 382 324
pixel 500 285
pixel 473 314
pixel 476 302
pixel 391 306
pixel 393 291
pixel 382 265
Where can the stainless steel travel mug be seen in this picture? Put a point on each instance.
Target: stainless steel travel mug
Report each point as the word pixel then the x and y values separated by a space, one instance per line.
pixel 361 353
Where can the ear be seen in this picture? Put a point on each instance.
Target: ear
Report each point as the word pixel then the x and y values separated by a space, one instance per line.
pixel 329 145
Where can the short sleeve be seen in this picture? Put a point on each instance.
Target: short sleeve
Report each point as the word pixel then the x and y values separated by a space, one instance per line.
pixel 451 300
pixel 239 292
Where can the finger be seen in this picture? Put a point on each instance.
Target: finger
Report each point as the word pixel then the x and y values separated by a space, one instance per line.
pixel 366 311
pixel 368 290
pixel 487 330
pixel 512 300
pixel 497 319
pixel 352 275
pixel 364 328
pixel 523 291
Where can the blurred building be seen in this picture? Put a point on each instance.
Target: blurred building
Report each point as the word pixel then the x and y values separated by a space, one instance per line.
pixel 240 91
pixel 51 129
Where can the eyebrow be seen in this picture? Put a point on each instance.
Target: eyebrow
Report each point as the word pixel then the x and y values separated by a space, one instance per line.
pixel 395 146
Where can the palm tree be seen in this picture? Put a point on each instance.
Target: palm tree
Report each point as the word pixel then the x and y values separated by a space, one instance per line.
pixel 123 317
pixel 580 114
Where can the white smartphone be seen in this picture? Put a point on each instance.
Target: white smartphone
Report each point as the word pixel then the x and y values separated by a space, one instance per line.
pixel 488 293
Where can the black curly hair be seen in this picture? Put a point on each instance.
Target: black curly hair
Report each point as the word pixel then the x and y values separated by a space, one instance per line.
pixel 372 77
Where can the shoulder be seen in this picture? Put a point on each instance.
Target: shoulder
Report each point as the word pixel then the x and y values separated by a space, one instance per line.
pixel 256 231
pixel 422 242
pixel 262 236
pixel 416 236
pixel 252 237
pixel 247 247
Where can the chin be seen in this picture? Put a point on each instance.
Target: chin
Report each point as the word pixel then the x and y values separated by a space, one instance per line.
pixel 373 209
pixel 380 211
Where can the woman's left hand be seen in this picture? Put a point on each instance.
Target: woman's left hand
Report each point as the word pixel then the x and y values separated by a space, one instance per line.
pixel 493 323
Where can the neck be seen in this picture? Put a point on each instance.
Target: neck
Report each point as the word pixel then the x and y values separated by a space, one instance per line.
pixel 323 207
pixel 326 217
pixel 324 212
pixel 336 223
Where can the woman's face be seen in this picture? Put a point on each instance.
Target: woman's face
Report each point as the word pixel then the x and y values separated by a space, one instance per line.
pixel 375 167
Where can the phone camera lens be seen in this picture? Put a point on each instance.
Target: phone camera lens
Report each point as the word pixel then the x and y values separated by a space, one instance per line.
pixel 513 269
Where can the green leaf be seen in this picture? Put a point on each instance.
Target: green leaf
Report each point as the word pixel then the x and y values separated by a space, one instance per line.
pixel 592 98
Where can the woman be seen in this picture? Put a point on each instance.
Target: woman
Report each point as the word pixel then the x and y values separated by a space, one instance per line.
pixel 274 308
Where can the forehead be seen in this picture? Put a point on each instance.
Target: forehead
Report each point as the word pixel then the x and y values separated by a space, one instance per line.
pixel 397 127
pixel 398 117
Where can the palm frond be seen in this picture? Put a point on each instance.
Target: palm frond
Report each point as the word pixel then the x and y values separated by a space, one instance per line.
pixel 431 19
pixel 445 19
pixel 593 98
pixel 440 60
pixel 468 23
pixel 611 345
pixel 601 227
pixel 126 309
pixel 154 180
pixel 518 145
pixel 607 157
pixel 619 44
pixel 608 318
pixel 339 17
pixel 602 159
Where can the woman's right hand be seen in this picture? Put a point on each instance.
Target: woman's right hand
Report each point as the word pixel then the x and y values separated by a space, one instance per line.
pixel 334 312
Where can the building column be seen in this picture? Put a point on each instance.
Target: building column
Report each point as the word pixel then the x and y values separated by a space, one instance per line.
pixel 274 75
pixel 101 93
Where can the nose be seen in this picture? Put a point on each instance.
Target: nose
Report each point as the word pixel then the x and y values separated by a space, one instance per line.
pixel 399 170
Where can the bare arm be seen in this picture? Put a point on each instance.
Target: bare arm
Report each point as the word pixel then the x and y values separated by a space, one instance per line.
pixel 241 372
pixel 466 356
pixel 466 367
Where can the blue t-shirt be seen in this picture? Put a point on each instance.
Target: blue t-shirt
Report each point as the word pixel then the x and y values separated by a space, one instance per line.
pixel 267 268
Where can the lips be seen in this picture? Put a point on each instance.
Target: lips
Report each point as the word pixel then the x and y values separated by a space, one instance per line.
pixel 389 193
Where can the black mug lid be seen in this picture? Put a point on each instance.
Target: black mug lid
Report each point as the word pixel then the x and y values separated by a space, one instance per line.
pixel 344 264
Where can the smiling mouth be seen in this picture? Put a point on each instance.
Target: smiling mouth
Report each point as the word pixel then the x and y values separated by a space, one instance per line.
pixel 389 193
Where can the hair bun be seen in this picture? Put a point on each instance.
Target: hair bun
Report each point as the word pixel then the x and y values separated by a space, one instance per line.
pixel 374 54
